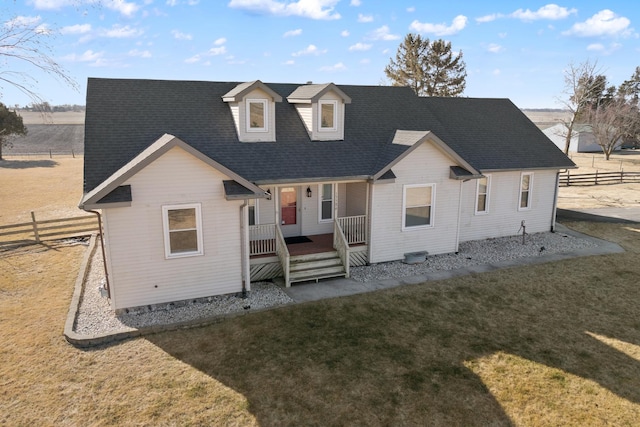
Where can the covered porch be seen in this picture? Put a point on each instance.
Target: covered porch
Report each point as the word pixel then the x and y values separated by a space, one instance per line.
pixel 312 257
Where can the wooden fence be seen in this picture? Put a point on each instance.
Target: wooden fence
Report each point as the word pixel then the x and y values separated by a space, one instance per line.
pixel 596 178
pixel 37 231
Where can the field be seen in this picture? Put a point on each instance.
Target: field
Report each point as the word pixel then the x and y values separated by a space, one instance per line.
pixel 551 344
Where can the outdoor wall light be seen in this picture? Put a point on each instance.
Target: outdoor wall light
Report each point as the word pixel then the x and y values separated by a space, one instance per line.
pixel 308 191
pixel 268 194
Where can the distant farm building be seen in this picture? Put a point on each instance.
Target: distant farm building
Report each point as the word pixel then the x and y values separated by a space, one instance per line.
pixel 582 138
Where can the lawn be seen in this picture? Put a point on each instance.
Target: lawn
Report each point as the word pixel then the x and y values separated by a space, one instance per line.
pixel 553 344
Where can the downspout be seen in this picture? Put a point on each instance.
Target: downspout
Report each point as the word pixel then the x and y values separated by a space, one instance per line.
pixel 459 215
pixel 555 203
pixel 104 256
pixel 243 255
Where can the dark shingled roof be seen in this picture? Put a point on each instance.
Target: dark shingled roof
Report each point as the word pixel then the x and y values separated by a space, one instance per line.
pixel 123 117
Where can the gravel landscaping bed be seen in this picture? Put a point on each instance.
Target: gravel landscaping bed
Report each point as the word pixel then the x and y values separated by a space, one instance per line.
pixel 96 317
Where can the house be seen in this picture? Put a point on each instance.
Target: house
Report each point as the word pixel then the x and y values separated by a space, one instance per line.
pixel 582 138
pixel 204 187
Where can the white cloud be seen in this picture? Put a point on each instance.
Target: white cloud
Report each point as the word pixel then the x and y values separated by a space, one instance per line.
pixel 549 11
pixel 382 33
pixel 50 4
pixel 23 21
pixel 76 29
pixel 86 56
pixel 411 9
pixel 489 18
pixel 359 47
pixel 355 3
pixel 604 50
pixel 336 67
pixel 289 62
pixel 457 25
pixel 309 50
pixel 179 35
pixel 496 72
pixel 121 6
pixel 215 51
pixel 193 59
pixel 219 49
pixel 603 23
pixel 140 53
pixel 596 47
pixel 494 48
pixel 293 33
pixel 120 32
pixel 365 18
pixel 177 2
pixel 345 33
pixel 313 9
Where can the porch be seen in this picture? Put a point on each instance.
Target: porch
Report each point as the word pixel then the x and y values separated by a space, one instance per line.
pixel 304 258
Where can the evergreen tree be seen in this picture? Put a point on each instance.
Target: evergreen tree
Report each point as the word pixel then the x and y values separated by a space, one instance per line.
pixel 429 68
pixel 10 124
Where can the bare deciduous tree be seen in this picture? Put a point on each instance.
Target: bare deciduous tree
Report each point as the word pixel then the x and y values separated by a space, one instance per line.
pixel 582 87
pixel 26 42
pixel 610 123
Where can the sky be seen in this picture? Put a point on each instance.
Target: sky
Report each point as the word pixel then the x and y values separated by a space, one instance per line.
pixel 512 49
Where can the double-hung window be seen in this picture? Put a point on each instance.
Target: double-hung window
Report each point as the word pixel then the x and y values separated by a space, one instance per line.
pixel 526 188
pixel 257 115
pixel 326 202
pixel 418 204
pixel 482 194
pixel 328 114
pixel 182 230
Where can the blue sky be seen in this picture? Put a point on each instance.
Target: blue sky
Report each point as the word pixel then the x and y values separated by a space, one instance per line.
pixel 515 50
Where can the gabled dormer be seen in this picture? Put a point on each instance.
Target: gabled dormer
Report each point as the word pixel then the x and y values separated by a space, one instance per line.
pixel 321 107
pixel 253 107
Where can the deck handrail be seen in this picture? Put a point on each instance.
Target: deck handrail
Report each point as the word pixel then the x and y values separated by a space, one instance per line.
pixel 262 239
pixel 341 245
pixel 283 254
pixel 354 228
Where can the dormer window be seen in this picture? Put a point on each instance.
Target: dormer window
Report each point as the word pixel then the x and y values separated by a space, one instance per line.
pixel 253 108
pixel 257 115
pixel 328 116
pixel 322 110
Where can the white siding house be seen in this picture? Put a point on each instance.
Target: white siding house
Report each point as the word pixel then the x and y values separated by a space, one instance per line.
pixel 228 183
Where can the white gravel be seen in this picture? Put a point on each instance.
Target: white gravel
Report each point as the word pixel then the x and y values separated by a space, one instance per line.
pixel 95 317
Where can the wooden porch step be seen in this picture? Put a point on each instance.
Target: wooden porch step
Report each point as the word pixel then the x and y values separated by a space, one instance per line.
pixel 315 266
pixel 316 274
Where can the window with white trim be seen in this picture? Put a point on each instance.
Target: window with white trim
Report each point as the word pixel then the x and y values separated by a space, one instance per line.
pixel 326 202
pixel 417 206
pixel 182 230
pixel 328 115
pixel 257 117
pixel 253 211
pixel 526 188
pixel 482 194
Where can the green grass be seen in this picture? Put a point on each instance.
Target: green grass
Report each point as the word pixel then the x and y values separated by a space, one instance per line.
pixel 551 344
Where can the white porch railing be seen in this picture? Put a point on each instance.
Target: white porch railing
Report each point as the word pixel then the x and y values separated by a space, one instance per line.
pixel 262 239
pixel 354 228
pixel 283 255
pixel 341 245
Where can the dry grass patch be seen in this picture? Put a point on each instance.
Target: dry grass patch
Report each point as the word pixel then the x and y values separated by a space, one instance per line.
pixel 46 381
pixel 50 187
pixel 547 344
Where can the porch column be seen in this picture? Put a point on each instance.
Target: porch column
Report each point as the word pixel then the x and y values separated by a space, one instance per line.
pixel 335 201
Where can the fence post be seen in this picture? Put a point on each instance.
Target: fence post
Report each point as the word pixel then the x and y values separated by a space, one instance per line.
pixel 596 181
pixel 34 223
pixel 50 155
pixel 568 177
pixel 621 175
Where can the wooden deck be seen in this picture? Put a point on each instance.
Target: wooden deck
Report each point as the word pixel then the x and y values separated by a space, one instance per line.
pixel 319 243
